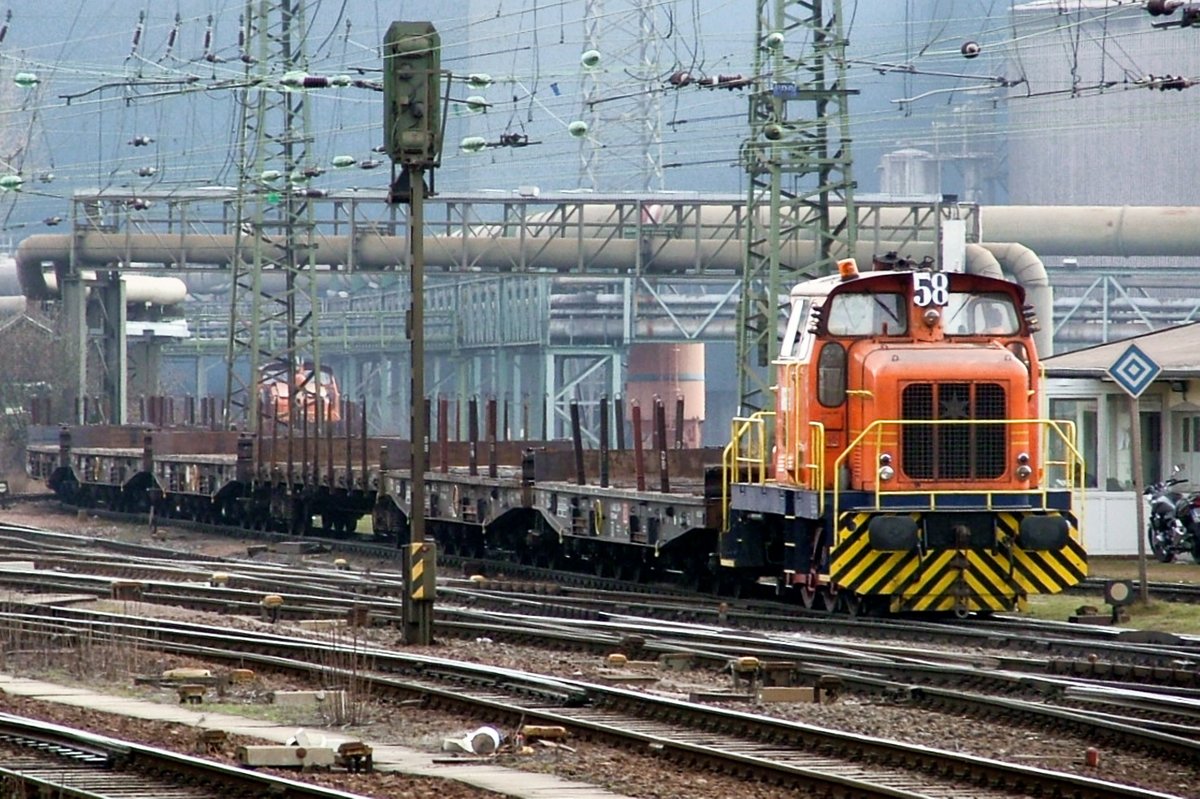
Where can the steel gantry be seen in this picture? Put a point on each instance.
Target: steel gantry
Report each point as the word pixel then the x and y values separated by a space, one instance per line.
pixel 798 165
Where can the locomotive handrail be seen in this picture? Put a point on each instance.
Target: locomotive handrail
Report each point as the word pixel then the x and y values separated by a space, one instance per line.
pixel 815 465
pixel 752 430
pixel 1072 463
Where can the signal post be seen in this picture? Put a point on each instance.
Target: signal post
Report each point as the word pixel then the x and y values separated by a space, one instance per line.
pixel 412 117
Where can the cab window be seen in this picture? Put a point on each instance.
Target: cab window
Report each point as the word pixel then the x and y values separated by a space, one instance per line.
pixel 831 375
pixel 981 314
pixel 794 332
pixel 882 314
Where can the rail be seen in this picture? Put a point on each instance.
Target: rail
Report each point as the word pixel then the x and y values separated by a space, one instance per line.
pixel 1055 435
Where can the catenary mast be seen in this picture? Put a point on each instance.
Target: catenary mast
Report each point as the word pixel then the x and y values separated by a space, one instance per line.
pixel 275 233
pixel 623 146
pixel 798 162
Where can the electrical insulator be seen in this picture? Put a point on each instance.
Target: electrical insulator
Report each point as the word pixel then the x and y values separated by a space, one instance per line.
pixel 343 161
pixel 578 128
pixel 141 141
pixel 475 103
pixel 970 49
pixel 1161 8
pixel 479 80
pixel 26 80
pixel 369 163
pixel 590 59
pixel 472 144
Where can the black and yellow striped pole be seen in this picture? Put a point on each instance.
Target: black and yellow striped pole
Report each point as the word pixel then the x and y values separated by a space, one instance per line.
pixel 420 576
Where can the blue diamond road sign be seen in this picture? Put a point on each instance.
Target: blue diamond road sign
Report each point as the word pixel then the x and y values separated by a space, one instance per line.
pixel 1134 371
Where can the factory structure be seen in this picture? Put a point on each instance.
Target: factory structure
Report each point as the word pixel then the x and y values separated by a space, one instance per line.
pixel 1066 180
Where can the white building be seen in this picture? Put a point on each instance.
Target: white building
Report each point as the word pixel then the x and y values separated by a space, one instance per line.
pixel 1079 388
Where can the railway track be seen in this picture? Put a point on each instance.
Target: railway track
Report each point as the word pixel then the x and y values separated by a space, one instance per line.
pixel 41 759
pixel 840 763
pixel 922 684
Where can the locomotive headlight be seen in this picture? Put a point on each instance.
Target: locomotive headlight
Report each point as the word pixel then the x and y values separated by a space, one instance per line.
pixel 1024 472
pixel 886 472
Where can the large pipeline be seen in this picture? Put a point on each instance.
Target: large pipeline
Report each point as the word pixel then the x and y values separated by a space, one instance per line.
pixel 1114 231
pixel 1062 230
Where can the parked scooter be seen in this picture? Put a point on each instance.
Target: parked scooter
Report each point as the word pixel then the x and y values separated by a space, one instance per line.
pixel 1174 522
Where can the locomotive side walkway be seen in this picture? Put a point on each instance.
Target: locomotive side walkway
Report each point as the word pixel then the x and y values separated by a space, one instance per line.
pixel 388 758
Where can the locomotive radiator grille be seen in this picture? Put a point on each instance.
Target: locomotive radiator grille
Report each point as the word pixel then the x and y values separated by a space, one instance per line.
pixel 961 447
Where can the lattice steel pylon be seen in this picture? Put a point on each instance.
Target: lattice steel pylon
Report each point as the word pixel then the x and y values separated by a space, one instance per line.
pixel 624 121
pixel 275 219
pixel 799 60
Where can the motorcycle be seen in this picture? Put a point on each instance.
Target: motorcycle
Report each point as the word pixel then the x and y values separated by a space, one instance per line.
pixel 1174 523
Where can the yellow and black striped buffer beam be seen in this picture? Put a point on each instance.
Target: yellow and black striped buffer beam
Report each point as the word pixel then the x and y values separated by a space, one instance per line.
pixel 994 576
pixel 1048 571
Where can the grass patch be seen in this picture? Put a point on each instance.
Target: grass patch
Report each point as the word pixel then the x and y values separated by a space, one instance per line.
pixel 1171 617
pixel 1181 570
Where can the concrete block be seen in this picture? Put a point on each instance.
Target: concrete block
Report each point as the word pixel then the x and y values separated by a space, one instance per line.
pixel 543 731
pixel 186 674
pixel 241 676
pixel 286 756
pixel 614 677
pixel 307 698
pixel 781 693
pixel 191 693
pixel 320 625
pixel 719 696
pixel 676 661
pixel 297 547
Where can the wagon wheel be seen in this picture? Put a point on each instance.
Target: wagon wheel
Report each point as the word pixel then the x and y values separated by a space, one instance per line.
pixel 850 603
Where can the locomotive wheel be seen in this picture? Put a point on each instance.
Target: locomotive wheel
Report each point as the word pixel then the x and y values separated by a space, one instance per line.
pixel 849 603
pixel 808 597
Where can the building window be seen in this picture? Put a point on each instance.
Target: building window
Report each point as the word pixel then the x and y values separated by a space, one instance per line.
pixel 1191 434
pixel 1083 412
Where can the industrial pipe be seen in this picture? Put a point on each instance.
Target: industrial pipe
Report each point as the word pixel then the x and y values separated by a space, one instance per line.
pixel 1024 264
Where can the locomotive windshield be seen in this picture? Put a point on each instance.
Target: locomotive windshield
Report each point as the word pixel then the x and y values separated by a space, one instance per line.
pixel 981 314
pixel 874 314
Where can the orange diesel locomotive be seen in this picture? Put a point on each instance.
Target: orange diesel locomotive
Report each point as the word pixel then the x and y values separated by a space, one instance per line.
pixel 905 467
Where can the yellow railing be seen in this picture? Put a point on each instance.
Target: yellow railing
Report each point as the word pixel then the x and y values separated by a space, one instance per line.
pixel 1064 473
pixel 747 458
pixel 748 452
